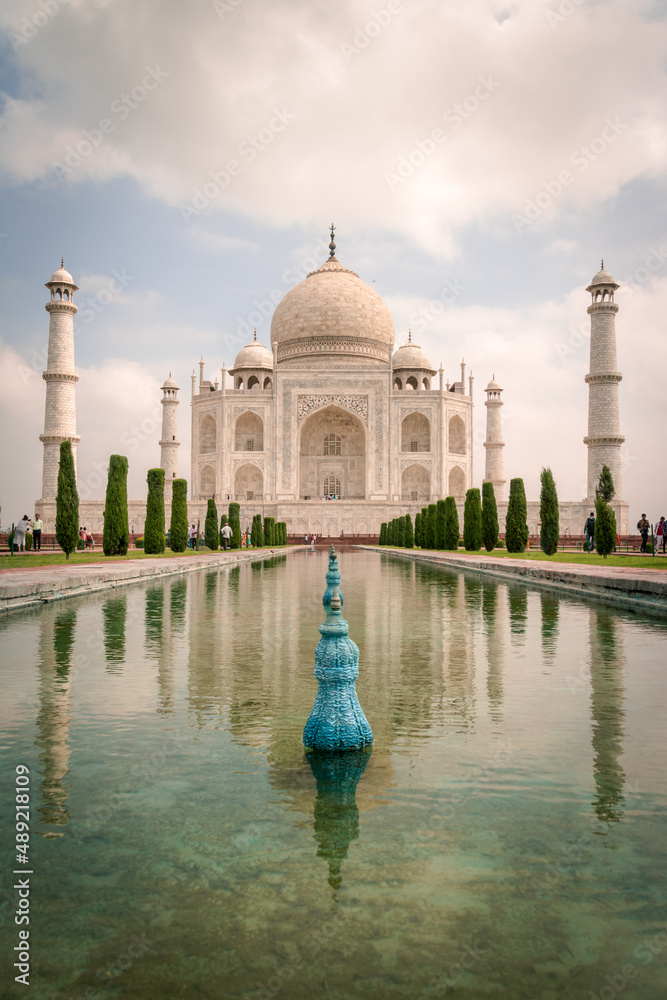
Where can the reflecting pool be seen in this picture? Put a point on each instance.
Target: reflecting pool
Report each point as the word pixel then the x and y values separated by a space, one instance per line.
pixel 505 836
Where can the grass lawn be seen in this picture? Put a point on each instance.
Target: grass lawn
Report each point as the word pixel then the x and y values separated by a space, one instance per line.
pixel 578 558
pixel 83 558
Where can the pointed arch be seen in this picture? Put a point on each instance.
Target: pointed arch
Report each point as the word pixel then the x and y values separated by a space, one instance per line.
pixel 457 436
pixel 249 432
pixel 457 482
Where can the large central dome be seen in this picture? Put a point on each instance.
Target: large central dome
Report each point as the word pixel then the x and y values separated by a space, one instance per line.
pixel 332 316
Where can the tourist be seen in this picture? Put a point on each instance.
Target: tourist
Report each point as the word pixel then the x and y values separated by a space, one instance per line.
pixel 82 537
pixel 20 531
pixel 643 528
pixel 660 534
pixel 306 539
pixel 312 539
pixel 226 535
pixel 37 528
pixel 90 541
pixel 589 531
pixel 193 535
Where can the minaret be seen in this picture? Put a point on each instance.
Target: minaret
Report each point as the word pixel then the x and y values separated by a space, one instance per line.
pixel 494 443
pixel 60 378
pixel 604 437
pixel 169 444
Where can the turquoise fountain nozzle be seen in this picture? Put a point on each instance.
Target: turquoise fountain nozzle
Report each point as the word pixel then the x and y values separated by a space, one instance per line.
pixel 337 721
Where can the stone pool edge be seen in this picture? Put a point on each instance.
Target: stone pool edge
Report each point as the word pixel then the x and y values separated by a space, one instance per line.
pixel 97 577
pixel 634 593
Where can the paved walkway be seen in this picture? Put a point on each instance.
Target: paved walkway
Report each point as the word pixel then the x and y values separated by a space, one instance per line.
pixel 27 586
pixel 631 587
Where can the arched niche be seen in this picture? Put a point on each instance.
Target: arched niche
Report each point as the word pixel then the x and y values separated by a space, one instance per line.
pixel 411 382
pixel 207 482
pixel 416 433
pixel 416 484
pixel 332 442
pixel 249 432
pixel 207 433
pixel 248 483
pixel 397 382
pixel 457 436
pixel 457 482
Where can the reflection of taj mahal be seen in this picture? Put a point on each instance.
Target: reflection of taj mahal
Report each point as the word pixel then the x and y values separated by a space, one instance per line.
pixel 333 411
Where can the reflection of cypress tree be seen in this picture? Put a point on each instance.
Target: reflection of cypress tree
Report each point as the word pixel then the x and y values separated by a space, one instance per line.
pixel 518 598
pixel 494 649
pixel 177 606
pixel 336 813
pixel 154 613
pixel 550 607
pixel 608 716
pixel 56 642
pixel 114 611
pixel 233 578
pixel 210 589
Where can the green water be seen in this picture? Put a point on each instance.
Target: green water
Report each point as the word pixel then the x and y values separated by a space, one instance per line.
pixel 505 837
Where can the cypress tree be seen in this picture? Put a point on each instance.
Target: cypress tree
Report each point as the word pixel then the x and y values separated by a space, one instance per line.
pixel 408 533
pixel 211 526
pixel 418 529
pixel 430 526
pixel 390 533
pixel 235 524
pixel 605 527
pixel 178 526
pixel 154 540
pixel 452 530
pixel 223 522
pixel 605 487
pixel 516 528
pixel 550 528
pixel 401 531
pixel 490 528
pixel 283 533
pixel 256 533
pixel 472 521
pixel 440 516
pixel 67 502
pixel 269 531
pixel 116 535
pixel 383 533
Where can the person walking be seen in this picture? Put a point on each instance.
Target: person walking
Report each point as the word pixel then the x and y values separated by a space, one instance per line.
pixel 193 534
pixel 19 532
pixel 37 528
pixel 589 530
pixel 643 527
pixel 660 534
pixel 226 534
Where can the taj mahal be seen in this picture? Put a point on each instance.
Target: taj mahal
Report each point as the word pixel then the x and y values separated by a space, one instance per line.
pixel 332 430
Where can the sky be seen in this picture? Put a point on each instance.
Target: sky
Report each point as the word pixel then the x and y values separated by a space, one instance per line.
pixel 478 160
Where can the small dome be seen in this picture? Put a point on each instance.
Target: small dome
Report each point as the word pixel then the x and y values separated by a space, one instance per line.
pixel 61 277
pixel 254 355
pixel 169 383
pixel 602 278
pixel 494 385
pixel 411 356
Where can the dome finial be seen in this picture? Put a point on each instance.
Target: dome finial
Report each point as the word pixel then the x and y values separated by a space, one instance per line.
pixel 602 265
pixel 254 336
pixel 409 336
pixel 62 261
pixel 332 245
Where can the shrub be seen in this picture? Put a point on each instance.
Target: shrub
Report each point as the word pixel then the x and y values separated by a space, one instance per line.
pixel 67 502
pixel 153 540
pixel 139 542
pixel 390 533
pixel 256 533
pixel 550 527
pixel 178 526
pixel 430 526
pixel 516 527
pixel 440 518
pixel 501 543
pixel 28 541
pixel 472 521
pixel 383 533
pixel 451 540
pixel 269 531
pixel 418 529
pixel 116 535
pixel 211 537
pixel 400 533
pixel 283 532
pixel 605 487
pixel 605 527
pixel 235 525
pixel 408 533
pixel 489 517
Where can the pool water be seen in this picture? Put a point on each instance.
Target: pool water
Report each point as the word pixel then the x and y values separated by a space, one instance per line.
pixel 505 837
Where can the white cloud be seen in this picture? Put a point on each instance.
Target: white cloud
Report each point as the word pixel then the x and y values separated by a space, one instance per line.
pixel 217 242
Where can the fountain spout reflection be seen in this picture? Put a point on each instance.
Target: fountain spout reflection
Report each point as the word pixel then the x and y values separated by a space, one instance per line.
pixel 336 812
